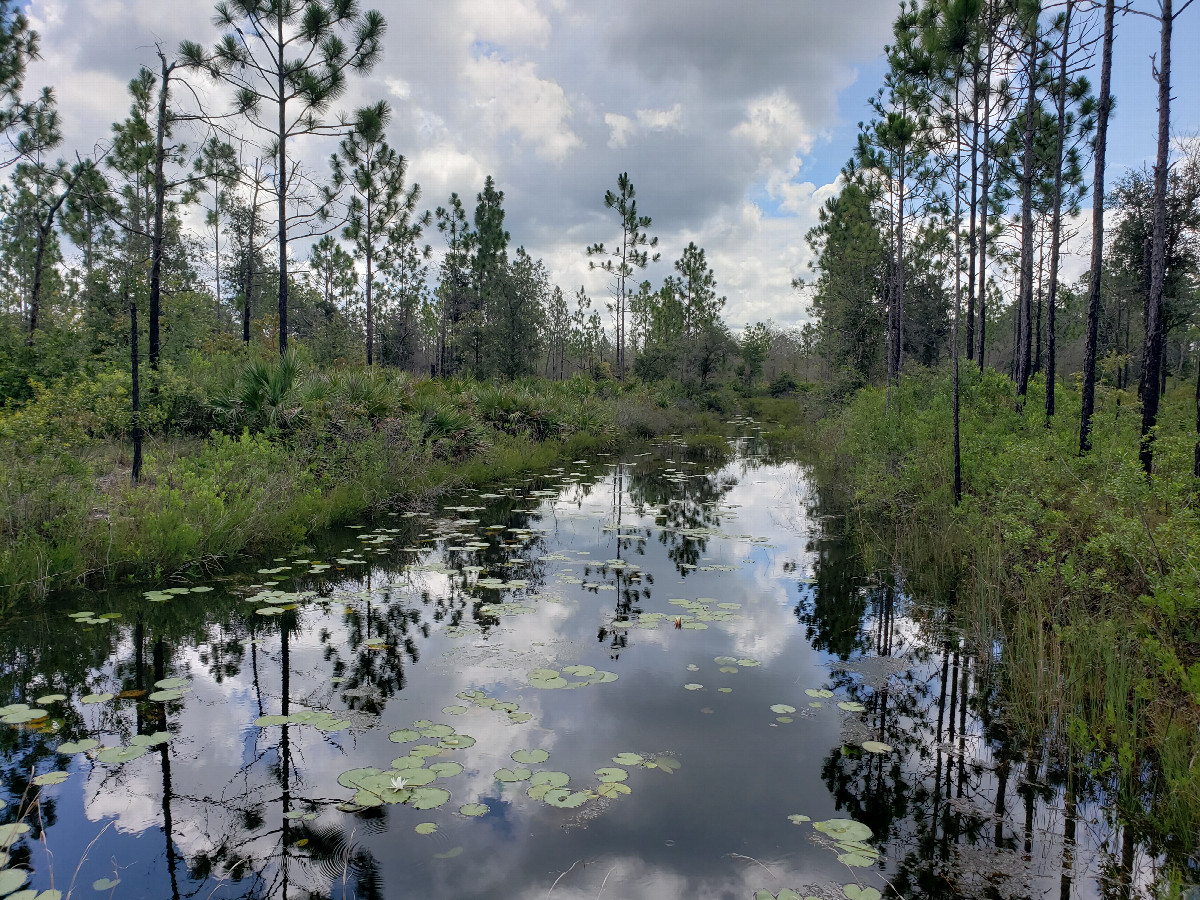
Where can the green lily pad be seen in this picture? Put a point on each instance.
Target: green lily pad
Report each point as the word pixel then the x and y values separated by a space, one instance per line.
pixel 457 742
pixel 52 698
pixel 267 721
pixel 786 720
pixel 454 710
pixel 854 892
pixel 446 769
pixel 512 775
pixel 797 818
pixel 724 690
pixel 748 663
pixel 424 750
pixel 96 698
pixel 818 692
pixel 78 746
pixel 437 731
pixel 581 671
pixel 425 828
pixel 428 797
pixel 9 833
pixel 473 809
pixel 844 829
pixel 519 717
pixel 11 879
pixel 21 716
pixel 628 759
pixel 166 696
pixel 612 789
pixel 693 687
pixel 564 799
pixel 121 754
pixel 412 778
pixel 105 884
pixel 150 740
pixel 49 778
pixel 783 709
pixel 876 747
pixel 171 683
pixel 611 773
pixel 668 764
pixel 859 860
pixel 851 706
pixel 530 757
pixel 550 779
pixel 403 735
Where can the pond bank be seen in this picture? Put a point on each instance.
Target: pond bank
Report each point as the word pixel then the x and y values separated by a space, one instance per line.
pixel 1073 578
pixel 344 447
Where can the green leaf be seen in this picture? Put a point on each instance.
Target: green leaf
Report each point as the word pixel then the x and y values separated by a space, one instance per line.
pixel 854 892
pixel 425 828
pixel 611 773
pixel 11 832
pixel 530 757
pixel 11 879
pixel 49 778
pixel 78 746
pixel 105 884
pixel 876 747
pixel 473 809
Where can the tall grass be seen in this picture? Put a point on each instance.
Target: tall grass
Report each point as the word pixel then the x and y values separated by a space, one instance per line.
pixel 1077 576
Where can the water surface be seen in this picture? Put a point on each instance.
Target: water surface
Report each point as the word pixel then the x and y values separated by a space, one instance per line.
pixel 726 701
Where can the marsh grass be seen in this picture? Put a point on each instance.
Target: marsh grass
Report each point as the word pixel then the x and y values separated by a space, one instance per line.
pixel 1075 579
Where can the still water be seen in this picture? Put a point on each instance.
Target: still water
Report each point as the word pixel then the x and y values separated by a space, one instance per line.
pixel 640 677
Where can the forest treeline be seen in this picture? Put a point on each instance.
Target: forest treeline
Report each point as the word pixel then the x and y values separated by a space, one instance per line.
pixel 946 243
pixel 195 230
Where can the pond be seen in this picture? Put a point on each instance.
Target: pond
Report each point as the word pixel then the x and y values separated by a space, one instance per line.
pixel 644 677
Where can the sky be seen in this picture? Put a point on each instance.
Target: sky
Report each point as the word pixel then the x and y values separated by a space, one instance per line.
pixel 732 119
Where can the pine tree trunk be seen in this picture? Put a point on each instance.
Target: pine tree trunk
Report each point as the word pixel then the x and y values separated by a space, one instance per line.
pixel 985 198
pixel 160 198
pixel 281 184
pixel 134 392
pixel 1154 338
pixel 1025 299
pixel 973 238
pixel 1056 221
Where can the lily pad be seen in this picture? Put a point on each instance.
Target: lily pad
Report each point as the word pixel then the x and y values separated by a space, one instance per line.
pixel 121 754
pixel 797 818
pixel 150 740
pixel 611 773
pixel 11 879
pixel 851 706
pixel 52 698
pixel 783 709
pixel 612 789
pixel 49 778
pixel 854 892
pixel 105 884
pixel 11 832
pixel 446 769
pixel 693 687
pixel 403 735
pixel 449 854
pixel 166 696
pixel 428 797
pixel 512 775
pixel 564 799
pixel 859 860
pixel 473 809
pixel 457 742
pixel 668 764
pixel 843 829
pixel 21 716
pixel 876 747
pixel 628 759
pixel 818 692
pixel 171 683
pixel 454 710
pixel 550 779
pixel 78 746
pixel 530 757
pixel 425 828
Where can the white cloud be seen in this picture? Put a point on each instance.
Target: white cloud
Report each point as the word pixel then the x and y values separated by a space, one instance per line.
pixel 398 88
pixel 508 22
pixel 620 128
pixel 660 119
pixel 774 126
pixel 511 97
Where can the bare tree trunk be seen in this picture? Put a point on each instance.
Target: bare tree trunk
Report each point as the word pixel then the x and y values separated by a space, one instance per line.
pixel 957 290
pixel 1025 298
pixel 160 199
pixel 983 211
pixel 1056 221
pixel 1153 343
pixel 281 184
pixel 134 391
pixel 973 237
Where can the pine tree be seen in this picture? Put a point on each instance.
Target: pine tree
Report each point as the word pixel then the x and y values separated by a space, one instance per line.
pixel 286 62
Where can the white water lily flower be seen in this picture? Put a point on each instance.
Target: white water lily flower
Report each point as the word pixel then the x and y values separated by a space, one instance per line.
pixel 398 783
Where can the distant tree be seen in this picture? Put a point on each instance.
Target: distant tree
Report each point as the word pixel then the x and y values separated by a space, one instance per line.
pixel 753 346
pixel 380 209
pixel 626 258
pixel 454 286
pixel 216 168
pixel 286 62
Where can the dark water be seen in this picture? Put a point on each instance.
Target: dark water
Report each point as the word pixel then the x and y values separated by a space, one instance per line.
pixel 596 560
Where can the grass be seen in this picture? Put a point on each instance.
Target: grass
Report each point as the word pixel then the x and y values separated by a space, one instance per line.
pixel 258 453
pixel 1076 577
